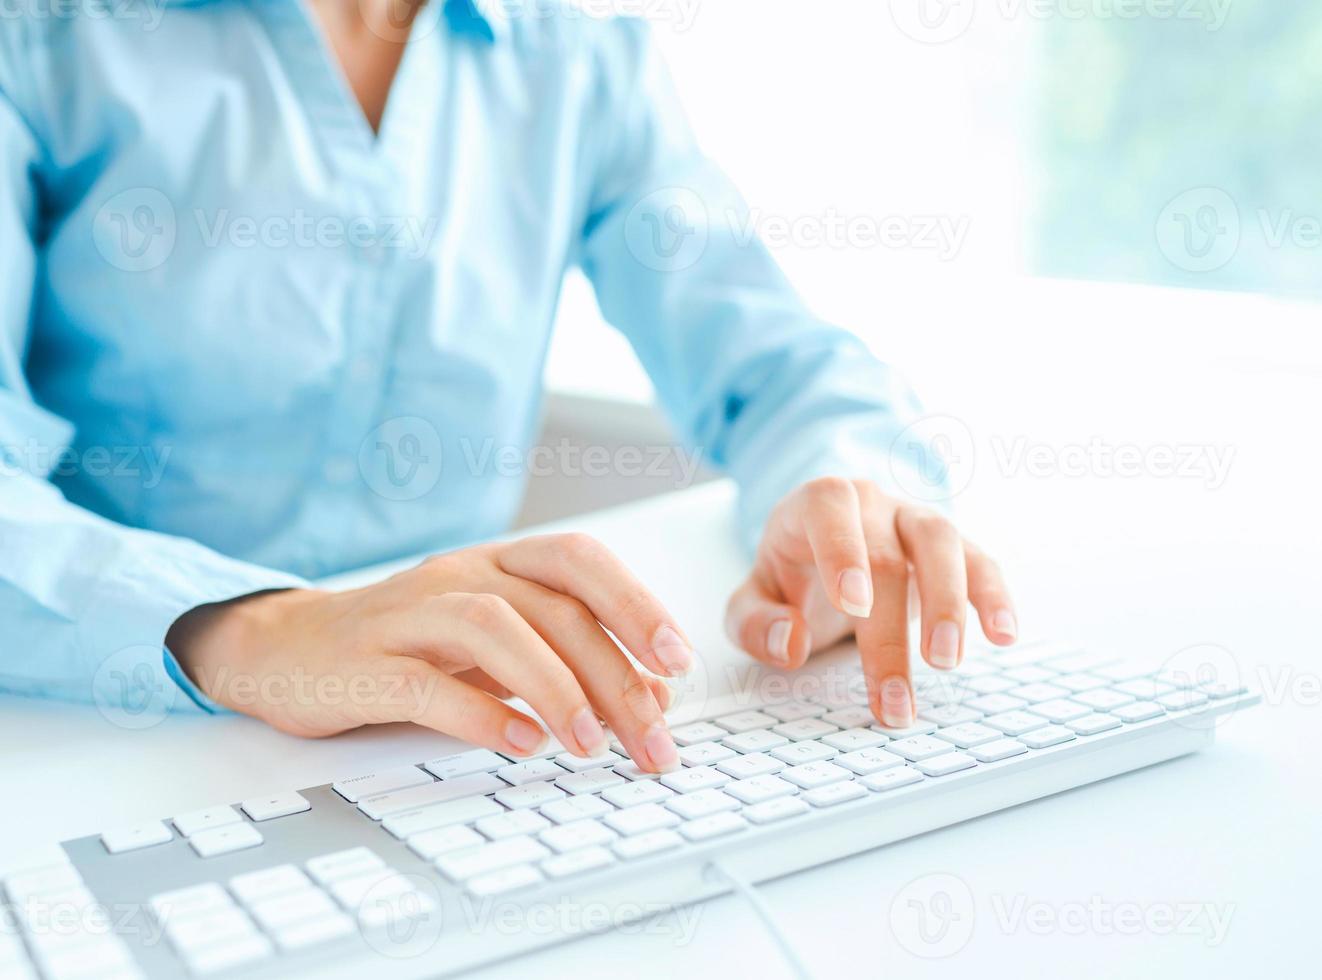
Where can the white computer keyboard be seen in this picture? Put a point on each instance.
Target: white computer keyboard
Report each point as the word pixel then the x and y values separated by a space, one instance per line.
pixel 389 871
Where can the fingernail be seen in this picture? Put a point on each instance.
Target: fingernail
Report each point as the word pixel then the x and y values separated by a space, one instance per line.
pixel 524 736
pixel 856 592
pixel 778 641
pixel 660 749
pixel 587 732
pixel 1003 622
pixel 943 647
pixel 896 703
pixel 669 648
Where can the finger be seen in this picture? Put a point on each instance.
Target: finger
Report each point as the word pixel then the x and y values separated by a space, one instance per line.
pixel 936 552
pixel 990 597
pixel 660 690
pixel 483 681
pixel 496 639
pixel 450 706
pixel 768 629
pixel 883 638
pixel 616 689
pixel 827 511
pixel 580 566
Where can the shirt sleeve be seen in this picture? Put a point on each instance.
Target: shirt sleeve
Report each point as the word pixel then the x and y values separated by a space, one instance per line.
pixel 747 374
pixel 85 603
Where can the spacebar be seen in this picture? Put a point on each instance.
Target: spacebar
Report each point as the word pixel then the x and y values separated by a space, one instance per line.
pixel 385 804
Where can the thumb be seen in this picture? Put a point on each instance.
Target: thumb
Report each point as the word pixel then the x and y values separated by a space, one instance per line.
pixel 763 625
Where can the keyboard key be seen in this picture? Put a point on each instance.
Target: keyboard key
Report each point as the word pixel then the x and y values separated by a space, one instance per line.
pixel 182 903
pixel 1059 711
pixel 889 779
pixel 919 727
pixel 692 780
pixel 254 886
pixel 745 721
pixel 1093 724
pixel 1220 690
pixel 967 735
pixel 550 750
pixel 851 717
pixel 216 927
pixel 995 704
pixel 864 762
pixel 387 804
pixel 701 731
pixel 228 955
pixel 375 885
pixel 1002 748
pixel 853 739
pixel 433 843
pixel 459 865
pixel 691 806
pixel 991 684
pixel 572 836
pixel 348 863
pixel 275 805
pixel 748 766
pixel 589 781
pixel 144 835
pixel 1033 674
pixel 588 859
pixel 224 840
pixel 1145 689
pixel 951 714
pixel 1138 711
pixel 577 763
pixel 1077 683
pixel 1124 671
pixel 814 774
pixel 464 764
pixel 1025 653
pixel 771 811
pixel 513 823
pixel 1041 738
pixel 1102 699
pixel 919 747
pixel 637 793
pixel 804 728
pixel 284 910
pixel 410 822
pixel 504 880
pixel 794 710
pixel 1014 722
pixel 798 753
pixel 717 825
pixel 1033 693
pixel 640 819
pixel 213 816
pixel 834 793
pixel 758 740
pixel 1182 700
pixel 944 765
pixel 705 754
pixel 641 845
pixel 532 795
pixel 41 881
pixel 629 770
pixel 575 808
pixel 522 773
pixel 1074 663
pixel 314 932
pixel 759 788
pixel 374 784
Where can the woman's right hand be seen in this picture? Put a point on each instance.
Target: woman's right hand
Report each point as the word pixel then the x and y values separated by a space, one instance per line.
pixel 443 643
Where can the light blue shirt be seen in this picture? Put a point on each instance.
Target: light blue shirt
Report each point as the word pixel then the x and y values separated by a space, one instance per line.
pixel 246 342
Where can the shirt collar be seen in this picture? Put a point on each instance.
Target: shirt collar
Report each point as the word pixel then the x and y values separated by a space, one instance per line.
pixel 487 18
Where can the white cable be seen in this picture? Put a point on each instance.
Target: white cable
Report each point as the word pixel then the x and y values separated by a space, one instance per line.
pixel 750 893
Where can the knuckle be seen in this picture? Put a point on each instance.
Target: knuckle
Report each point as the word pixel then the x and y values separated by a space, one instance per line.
pixel 888 562
pixel 568 615
pixel 828 488
pixel 577 546
pixel 869 494
pixel 636 695
pixel 482 611
pixel 931 524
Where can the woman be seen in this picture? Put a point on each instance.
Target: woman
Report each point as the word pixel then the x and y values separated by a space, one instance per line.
pixel 268 265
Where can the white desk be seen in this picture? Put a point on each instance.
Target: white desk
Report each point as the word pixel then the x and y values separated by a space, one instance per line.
pixel 1148 564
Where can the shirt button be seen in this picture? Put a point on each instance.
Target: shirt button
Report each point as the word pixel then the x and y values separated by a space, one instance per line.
pixel 338 469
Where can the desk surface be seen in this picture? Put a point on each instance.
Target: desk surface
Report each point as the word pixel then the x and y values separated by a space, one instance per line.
pixel 1150 564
